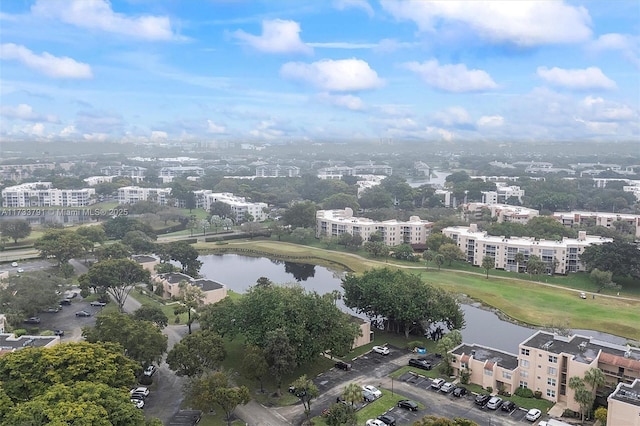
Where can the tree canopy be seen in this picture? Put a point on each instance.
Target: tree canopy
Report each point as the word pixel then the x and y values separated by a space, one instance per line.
pixel 15 229
pixel 62 244
pixel 301 215
pixel 196 353
pixel 115 277
pixel 621 258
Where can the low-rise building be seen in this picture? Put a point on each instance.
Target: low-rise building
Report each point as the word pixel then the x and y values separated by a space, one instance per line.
pixel 240 207
pixel 271 170
pixel 624 405
pixel 42 194
pixel 502 193
pixel 333 223
pixel 170 282
pixel 95 180
pixel 146 261
pixel 564 254
pixel 134 194
pixel 501 212
pixel 178 171
pixel 486 366
pixel 608 220
pixel 135 173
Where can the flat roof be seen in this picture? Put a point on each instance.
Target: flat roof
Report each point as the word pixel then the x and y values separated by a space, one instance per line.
pixel 584 349
pixel 175 277
pixel 629 394
pixel 143 258
pixel 10 342
pixel 484 353
pixel 207 285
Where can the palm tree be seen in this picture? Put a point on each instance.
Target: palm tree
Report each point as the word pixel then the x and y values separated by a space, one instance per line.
pixel 519 258
pixel 352 393
pixel 595 378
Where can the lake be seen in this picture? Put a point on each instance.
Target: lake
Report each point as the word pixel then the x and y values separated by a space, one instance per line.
pixel 483 326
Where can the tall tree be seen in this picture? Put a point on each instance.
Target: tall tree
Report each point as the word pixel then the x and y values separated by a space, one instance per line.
pixel 307 391
pixel 447 343
pixel 301 215
pixel 352 393
pixel 113 251
pixel 342 414
pixel 151 313
pixel 62 244
pixel 581 395
pixel 488 263
pixel 214 389
pixel 451 252
pixel 115 277
pixel 255 364
pixel 191 298
pixel 15 229
pixel 618 257
pixel 519 259
pixel 186 255
pixel 196 353
pixel 25 296
pixel 279 354
pixel 139 242
pixel 93 233
pixel 535 265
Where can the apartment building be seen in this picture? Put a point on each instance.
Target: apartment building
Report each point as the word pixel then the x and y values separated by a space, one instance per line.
pixel 17 172
pixel 624 405
pixel 607 220
pixel 135 173
pixel 270 170
pixel 502 212
pixel 240 207
pixel 177 171
pixel 96 180
pixel 41 194
pixel 502 193
pixel 213 291
pixel 334 223
pixel 134 194
pixel 477 244
pixel 545 362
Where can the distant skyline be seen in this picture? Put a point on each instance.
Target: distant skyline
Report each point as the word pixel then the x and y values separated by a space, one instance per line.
pixel 296 70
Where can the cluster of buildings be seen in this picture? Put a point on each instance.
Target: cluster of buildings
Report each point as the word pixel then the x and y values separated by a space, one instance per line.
pixel 545 363
pixel 240 207
pixel 42 194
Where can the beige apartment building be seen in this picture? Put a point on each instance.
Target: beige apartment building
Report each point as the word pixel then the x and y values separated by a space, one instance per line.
pixel 170 282
pixel 545 362
pixel 333 223
pixel 501 212
pixel 624 405
pixel 134 194
pixel 477 244
pixel 607 220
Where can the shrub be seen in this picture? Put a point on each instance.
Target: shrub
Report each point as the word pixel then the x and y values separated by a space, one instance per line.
pixel 19 332
pixel 177 319
pixel 537 394
pixel 524 392
pixel 84 292
pixel 570 414
pixel 489 389
pixel 415 344
pixel 465 376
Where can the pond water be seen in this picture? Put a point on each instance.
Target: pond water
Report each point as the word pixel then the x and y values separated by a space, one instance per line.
pixel 483 327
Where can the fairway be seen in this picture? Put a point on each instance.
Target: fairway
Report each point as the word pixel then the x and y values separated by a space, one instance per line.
pixel 525 301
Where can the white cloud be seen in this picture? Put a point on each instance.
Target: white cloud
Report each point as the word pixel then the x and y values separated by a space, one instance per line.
pixel 354 4
pixel 278 36
pixel 452 78
pixel 52 66
pixel 523 22
pixel 579 79
pixel 214 128
pixel 490 121
pixel 25 112
pixel 98 14
pixel 36 129
pixel 267 130
pixel 343 45
pixel 68 131
pixel 95 137
pixel 158 135
pixel 351 102
pixel 601 110
pixel 628 45
pixel 342 75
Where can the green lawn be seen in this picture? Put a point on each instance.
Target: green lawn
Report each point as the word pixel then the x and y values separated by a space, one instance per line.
pixel 145 298
pixel 528 403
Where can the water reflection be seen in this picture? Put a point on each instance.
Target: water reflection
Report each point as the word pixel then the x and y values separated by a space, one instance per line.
pixel 300 271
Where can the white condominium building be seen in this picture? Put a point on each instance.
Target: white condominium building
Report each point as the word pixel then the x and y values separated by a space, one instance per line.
pixel 41 194
pixel 96 180
pixel 336 222
pixel 476 244
pixel 239 206
pixel 270 170
pixel 502 193
pixel 134 194
pixel 607 220
pixel 502 212
pixel 181 171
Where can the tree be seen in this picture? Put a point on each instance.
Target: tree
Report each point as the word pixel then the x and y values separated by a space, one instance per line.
pixel 436 240
pixel 186 255
pixel 196 353
pixel 301 215
pixel 432 420
pixel 251 228
pixel 403 252
pixel 142 340
pixel 341 201
pixel 352 393
pixel 277 229
pixel 15 229
pixel 151 313
pixel 93 233
pixel 229 398
pixel 581 395
pixel 451 252
pixel 221 316
pixel 376 197
pixel 602 279
pixel 594 377
pixel 115 277
pixel 376 248
pixel 117 228
pixel 341 414
pixel 214 389
pixel 113 251
pixel 601 415
pixel 519 259
pixel 535 265
pixel 64 245
pixel 618 257
pixel 488 263
pixel 191 298
pixel 220 209
pixel 439 260
pixel 447 343
pixel 254 364
pixel 279 354
pixel 139 241
pixel 25 296
pixel 307 391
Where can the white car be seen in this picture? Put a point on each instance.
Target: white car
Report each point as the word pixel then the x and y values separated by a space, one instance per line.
pixel 20 270
pixel 137 402
pixel 375 422
pixel 141 389
pixel 372 390
pixel 437 383
pixel 150 370
pixel 14 264
pixel 382 350
pixel 447 387
pixel 98 303
pixel 533 415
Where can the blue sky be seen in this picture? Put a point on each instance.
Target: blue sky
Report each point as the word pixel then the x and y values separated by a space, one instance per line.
pixel 316 70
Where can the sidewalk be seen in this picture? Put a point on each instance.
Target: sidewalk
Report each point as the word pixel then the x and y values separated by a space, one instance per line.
pixel 255 414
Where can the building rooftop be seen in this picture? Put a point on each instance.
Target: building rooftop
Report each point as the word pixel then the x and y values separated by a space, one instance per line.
pixel 9 342
pixel 207 285
pixel 584 349
pixel 484 353
pixel 175 277
pixel 143 258
pixel 627 393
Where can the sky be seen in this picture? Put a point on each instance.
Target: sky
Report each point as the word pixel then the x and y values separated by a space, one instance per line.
pixel 317 70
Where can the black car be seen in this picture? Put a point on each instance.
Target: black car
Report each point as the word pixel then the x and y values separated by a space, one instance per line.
pixel 343 365
pixel 83 314
pixel 482 399
pixel 65 302
pixel 408 404
pixel 420 363
pixel 32 320
pixel 58 333
pixel 299 393
pixel 387 419
pixel 459 391
pixel 508 406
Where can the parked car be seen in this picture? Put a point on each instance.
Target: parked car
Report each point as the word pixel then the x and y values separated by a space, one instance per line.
pixel 20 270
pixel 14 264
pixel 58 333
pixel 98 303
pixel 382 350
pixel 459 391
pixel 65 302
pixel 140 389
pixel 482 399
pixel 420 363
pixel 32 320
pixel 83 314
pixel 408 404
pixel 51 310
pixel 437 383
pixel 583 295
pixel 150 370
pixel 343 365
pixel 494 403
pixel 387 420
pixel 137 402
pixel 368 396
pixel 533 415
pixel 375 422
pixel 508 406
pixel 374 390
pixel 447 387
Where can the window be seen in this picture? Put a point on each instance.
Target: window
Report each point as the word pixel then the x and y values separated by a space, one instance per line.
pixel 524 351
pixel 553 358
pixel 523 384
pixel 552 371
pixel 551 393
pixel 506 375
pixel 524 363
pixel 464 365
pixel 488 373
pixel 551 382
pixel 524 374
